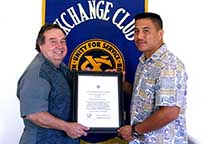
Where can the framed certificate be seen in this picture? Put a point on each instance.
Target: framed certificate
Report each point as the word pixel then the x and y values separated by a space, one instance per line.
pixel 98 101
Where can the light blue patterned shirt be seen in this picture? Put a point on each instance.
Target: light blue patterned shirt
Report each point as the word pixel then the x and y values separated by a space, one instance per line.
pixel 161 80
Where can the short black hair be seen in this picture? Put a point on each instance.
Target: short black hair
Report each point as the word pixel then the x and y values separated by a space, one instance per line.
pixel 40 38
pixel 155 18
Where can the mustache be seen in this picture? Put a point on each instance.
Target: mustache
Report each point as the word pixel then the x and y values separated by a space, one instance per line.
pixel 140 40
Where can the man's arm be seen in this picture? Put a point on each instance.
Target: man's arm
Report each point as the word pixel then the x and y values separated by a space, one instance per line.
pixel 127 88
pixel 46 120
pixel 156 121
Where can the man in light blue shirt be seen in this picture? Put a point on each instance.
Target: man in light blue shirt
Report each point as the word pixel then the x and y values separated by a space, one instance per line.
pixel 159 92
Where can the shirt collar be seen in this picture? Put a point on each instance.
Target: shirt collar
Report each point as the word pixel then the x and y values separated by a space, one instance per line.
pixel 50 63
pixel 155 55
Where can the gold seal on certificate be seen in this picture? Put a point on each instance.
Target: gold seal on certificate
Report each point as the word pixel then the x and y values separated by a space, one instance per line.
pixel 98 101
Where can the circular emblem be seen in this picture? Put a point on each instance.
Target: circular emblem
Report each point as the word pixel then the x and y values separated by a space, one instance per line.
pixel 97 54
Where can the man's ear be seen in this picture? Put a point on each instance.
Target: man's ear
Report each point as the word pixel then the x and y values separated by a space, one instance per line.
pixel 161 32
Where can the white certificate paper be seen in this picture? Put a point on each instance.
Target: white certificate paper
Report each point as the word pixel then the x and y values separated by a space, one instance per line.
pixel 98 101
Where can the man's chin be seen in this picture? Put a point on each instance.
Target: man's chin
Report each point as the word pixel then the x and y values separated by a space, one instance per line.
pixel 142 49
pixel 58 61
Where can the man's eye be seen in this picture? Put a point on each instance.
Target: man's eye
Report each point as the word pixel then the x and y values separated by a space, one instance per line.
pixel 136 31
pixel 146 31
pixel 63 42
pixel 53 42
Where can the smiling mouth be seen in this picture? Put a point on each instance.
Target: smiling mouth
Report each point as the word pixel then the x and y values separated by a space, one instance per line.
pixel 58 51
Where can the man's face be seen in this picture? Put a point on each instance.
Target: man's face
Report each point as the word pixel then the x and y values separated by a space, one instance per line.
pixel 54 47
pixel 148 37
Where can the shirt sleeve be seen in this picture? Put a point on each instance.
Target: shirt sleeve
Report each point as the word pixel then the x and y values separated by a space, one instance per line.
pixel 172 87
pixel 33 95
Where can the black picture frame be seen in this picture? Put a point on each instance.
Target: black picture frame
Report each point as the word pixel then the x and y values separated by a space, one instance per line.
pixel 86 105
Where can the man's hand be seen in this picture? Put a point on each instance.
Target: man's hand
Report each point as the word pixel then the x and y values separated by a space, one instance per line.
pixel 126 132
pixel 75 130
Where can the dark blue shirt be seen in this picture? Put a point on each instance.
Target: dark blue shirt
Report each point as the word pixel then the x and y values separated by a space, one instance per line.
pixel 45 88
